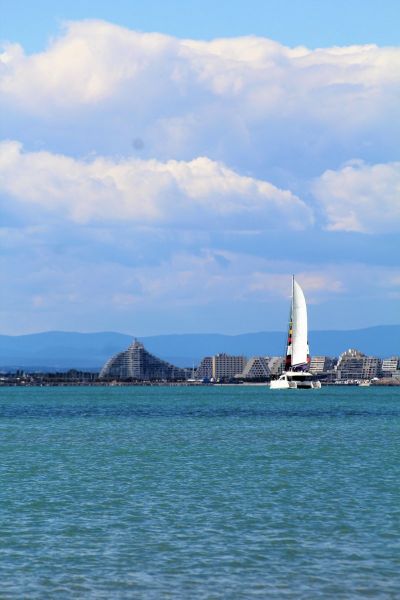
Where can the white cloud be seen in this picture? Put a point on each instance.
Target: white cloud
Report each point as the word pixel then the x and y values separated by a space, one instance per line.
pixel 98 224
pixel 93 61
pixel 201 290
pixel 219 274
pixel 246 101
pixel 197 193
pixel 361 197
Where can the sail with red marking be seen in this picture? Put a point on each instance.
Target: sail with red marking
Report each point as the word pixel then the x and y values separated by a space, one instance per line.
pixel 297 353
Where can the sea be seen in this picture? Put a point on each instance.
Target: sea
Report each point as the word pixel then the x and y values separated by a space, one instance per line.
pixel 202 492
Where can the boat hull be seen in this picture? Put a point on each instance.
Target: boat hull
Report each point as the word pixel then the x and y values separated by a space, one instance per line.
pixel 295 381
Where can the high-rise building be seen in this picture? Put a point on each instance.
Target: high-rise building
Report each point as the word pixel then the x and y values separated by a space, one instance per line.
pixel 204 370
pixel 390 366
pixel 137 363
pixel 256 368
pixel 372 367
pixel 320 364
pixel 354 365
pixel 276 365
pixel 225 366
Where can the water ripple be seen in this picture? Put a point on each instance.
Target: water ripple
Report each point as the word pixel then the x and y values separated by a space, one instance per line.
pixel 204 493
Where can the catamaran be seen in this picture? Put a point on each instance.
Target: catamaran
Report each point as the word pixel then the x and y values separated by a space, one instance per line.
pixel 297 359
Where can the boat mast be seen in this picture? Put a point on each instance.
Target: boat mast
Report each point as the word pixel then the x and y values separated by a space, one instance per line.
pixel 288 356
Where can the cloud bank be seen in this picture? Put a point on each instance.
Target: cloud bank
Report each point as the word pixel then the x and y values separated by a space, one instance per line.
pixel 362 198
pixel 199 193
pixel 248 102
pixel 175 184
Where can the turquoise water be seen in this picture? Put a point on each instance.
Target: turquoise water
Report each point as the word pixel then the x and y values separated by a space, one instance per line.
pixel 225 492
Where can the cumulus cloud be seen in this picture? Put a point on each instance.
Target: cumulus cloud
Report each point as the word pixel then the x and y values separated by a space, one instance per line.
pixel 155 177
pixel 93 60
pixel 197 193
pixel 360 197
pixel 247 101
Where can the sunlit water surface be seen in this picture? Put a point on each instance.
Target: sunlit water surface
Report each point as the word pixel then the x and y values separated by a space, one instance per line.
pixel 224 492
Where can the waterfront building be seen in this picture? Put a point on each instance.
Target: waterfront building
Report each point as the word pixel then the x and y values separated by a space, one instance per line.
pixel 320 364
pixel 276 365
pixel 350 365
pixel 372 367
pixel 226 366
pixel 137 363
pixel 390 366
pixel 204 370
pixel 354 365
pixel 255 368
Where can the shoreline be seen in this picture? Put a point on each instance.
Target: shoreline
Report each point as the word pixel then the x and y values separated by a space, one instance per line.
pixel 98 384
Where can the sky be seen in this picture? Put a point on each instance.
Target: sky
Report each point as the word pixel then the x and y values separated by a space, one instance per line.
pixel 166 166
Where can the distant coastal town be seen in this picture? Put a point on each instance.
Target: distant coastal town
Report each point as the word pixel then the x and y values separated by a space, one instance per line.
pixel 137 366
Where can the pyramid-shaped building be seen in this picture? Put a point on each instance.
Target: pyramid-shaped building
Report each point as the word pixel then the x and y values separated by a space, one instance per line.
pixel 137 363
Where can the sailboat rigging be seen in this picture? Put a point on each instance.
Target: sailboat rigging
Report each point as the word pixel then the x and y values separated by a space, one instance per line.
pixel 297 357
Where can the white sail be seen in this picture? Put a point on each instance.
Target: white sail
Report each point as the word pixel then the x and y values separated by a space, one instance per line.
pixel 294 376
pixel 299 327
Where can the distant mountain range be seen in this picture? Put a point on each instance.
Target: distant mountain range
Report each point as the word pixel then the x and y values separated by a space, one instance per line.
pixel 65 350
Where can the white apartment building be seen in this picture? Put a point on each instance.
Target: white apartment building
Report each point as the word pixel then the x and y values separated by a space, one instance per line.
pixel 276 365
pixel 354 365
pixel 320 364
pixel 390 365
pixel 256 368
pixel 225 366
pixel 204 370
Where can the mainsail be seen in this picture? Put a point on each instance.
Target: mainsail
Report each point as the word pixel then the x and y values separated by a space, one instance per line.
pixel 297 354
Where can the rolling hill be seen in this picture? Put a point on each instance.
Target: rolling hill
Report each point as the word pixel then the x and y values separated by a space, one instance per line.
pixel 65 350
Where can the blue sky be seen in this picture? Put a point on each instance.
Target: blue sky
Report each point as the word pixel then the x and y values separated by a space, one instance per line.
pixel 311 22
pixel 166 166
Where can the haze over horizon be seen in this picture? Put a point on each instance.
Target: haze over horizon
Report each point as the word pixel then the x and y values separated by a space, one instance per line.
pixel 91 350
pixel 166 170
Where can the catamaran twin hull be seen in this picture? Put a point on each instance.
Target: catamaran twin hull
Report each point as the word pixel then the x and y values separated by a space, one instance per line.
pixel 295 380
pixel 296 375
